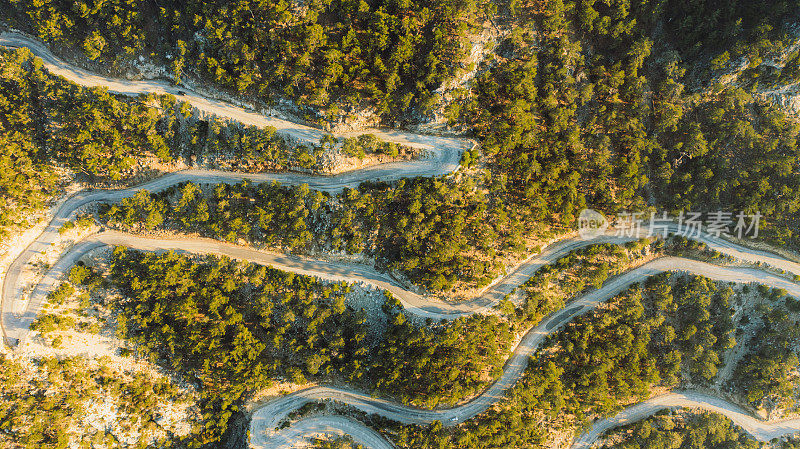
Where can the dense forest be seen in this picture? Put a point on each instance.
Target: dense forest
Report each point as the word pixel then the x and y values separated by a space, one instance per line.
pixel 331 55
pixel 219 321
pixel 336 55
pixel 614 126
pixel 562 127
pixel 47 122
pixel 245 321
pixel 234 327
pixel 671 330
pixel 436 232
pixel 766 375
pixel 617 105
pixel 48 125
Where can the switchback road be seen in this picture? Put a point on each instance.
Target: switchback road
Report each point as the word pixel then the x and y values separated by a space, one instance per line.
pixel 266 418
pixel 443 158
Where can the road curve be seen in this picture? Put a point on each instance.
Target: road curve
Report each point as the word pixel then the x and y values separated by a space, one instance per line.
pixel 447 150
pixel 442 157
pixel 12 300
pixel 17 319
pixel 18 312
pixel 332 426
pixel 760 430
pixel 267 417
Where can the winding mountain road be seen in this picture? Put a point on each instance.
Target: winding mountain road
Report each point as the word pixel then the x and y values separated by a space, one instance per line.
pixel 18 313
pixel 444 154
pixel 442 157
pixel 266 418
pixel 447 150
pixel 331 426
pixel 760 430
